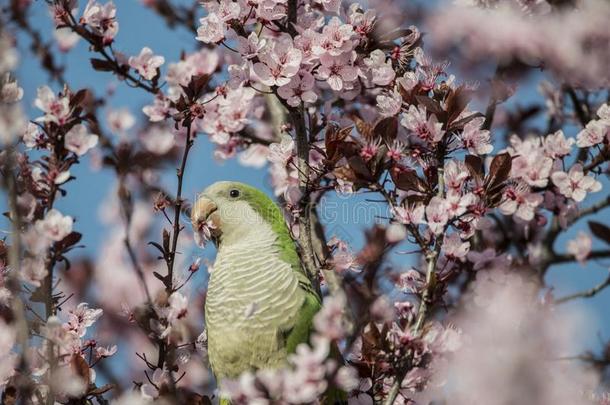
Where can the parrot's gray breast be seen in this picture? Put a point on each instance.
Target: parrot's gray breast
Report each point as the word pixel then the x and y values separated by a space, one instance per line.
pixel 253 299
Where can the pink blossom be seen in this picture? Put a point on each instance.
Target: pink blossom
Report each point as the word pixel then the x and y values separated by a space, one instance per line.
pixel 381 69
pixel 81 318
pixel 557 145
pixel 278 64
pixel 594 133
pixel 158 111
pixel 101 19
pixel 427 129
pixel 203 62
pixel 408 81
pixel 79 140
pixel 158 140
pixel 389 104
pixel 519 200
pixel 102 352
pixel 457 203
pixel 299 89
pixel 65 38
pixel 56 109
pixel 342 258
pixel 371 149
pixel 338 70
pixel 146 63
pixel 120 120
pixel 437 215
pixel 255 156
pixel 33 270
pixel 10 92
pixel 331 6
pixel 530 162
pixel 395 233
pixel 603 112
pixel 330 321
pixel 410 281
pixel 32 136
pixel 178 307
pixel 55 226
pixel 455 174
pixel 575 184
pixel 251 46
pixel 211 29
pixel 335 39
pixel 454 248
pixel 409 215
pixel 204 232
pixel 475 139
pixel 280 153
pixel 580 247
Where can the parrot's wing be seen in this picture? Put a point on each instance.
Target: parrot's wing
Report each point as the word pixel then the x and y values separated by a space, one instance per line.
pixel 304 322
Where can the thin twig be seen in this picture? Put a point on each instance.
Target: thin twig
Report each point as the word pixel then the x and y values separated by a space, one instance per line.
pixel 586 293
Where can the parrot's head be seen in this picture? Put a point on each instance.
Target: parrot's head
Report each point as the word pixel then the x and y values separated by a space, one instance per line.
pixel 228 211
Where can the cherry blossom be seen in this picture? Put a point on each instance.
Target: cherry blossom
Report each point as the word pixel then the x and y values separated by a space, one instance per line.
pixel 66 39
pixel 10 92
pixel 575 184
pixel 158 111
pixel 335 39
pixel 251 46
pixel 556 145
pixel 475 139
pixel 298 90
pixel 437 214
pixel 410 215
pixel 278 64
pixel 56 108
pixel 529 162
pixel 338 70
pixel 280 153
pixel 454 248
pixel 158 140
pixel 519 200
pixel 178 307
pixel 79 140
pixel 102 19
pixel 594 133
pixel 389 104
pixel 120 120
pixel 146 63
pixel 580 247
pixel 55 226
pixel 382 72
pixel 426 128
pixel 211 30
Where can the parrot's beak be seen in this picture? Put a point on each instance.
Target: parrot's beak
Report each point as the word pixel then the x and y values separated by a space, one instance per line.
pixel 202 210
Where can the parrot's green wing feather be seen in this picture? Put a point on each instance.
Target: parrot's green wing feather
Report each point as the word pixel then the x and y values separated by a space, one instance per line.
pixel 304 323
pixel 272 214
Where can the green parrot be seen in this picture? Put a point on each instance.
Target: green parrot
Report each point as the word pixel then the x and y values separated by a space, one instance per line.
pixel 260 303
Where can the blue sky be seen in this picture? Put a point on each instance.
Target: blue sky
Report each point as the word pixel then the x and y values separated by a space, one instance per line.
pixel 141 27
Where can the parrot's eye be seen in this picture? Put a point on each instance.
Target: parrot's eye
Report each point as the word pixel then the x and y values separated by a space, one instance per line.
pixel 234 193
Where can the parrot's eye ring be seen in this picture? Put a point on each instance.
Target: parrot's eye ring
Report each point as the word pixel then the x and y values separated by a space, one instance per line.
pixel 234 193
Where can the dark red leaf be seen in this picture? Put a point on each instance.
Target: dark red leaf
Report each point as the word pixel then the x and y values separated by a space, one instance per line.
pixel 431 105
pixel 387 129
pixel 102 65
pixel 498 171
pixel 600 231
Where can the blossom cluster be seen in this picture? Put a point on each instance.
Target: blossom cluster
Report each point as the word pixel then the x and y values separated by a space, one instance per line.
pixel 333 98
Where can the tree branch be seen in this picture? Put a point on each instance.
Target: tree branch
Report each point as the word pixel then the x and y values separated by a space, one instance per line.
pixel 586 293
